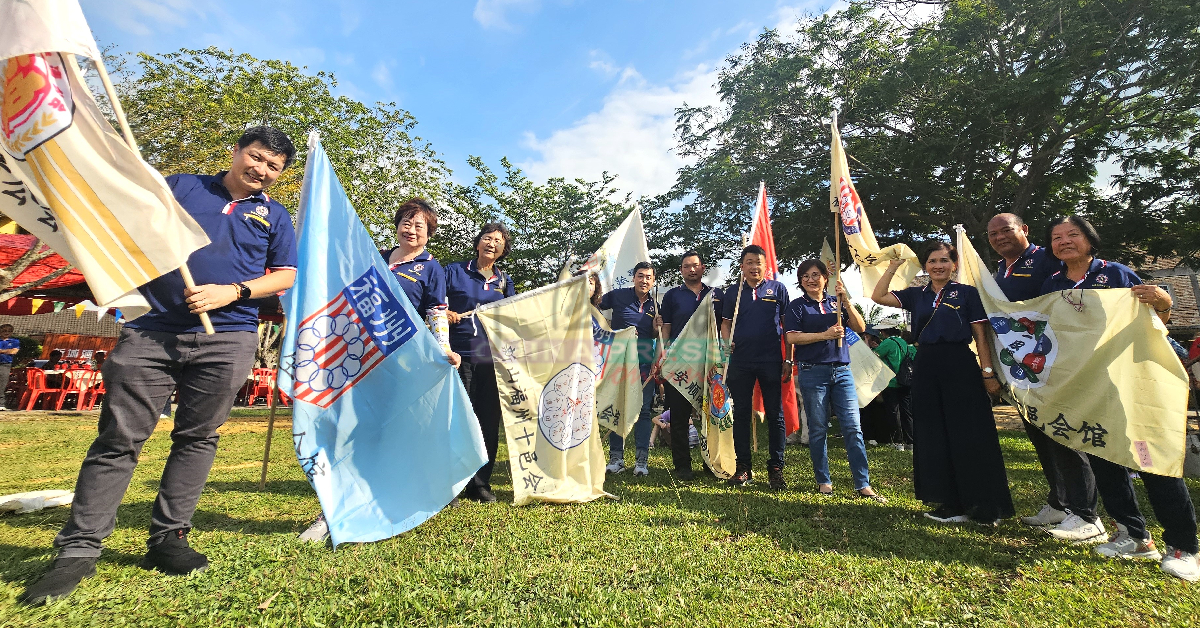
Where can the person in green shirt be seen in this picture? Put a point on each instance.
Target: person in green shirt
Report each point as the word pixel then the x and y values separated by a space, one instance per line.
pixel 897 397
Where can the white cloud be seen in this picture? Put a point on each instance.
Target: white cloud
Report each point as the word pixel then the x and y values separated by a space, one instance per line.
pixel 632 135
pixel 350 15
pixel 602 63
pixel 382 75
pixel 493 13
pixel 144 17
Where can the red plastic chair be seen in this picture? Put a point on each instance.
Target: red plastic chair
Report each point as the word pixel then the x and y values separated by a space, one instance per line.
pixel 94 393
pixel 35 387
pixel 261 386
pixel 76 381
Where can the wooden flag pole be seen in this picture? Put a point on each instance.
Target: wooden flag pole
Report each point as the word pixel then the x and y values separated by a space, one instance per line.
pixel 837 254
pixel 262 480
pixel 119 112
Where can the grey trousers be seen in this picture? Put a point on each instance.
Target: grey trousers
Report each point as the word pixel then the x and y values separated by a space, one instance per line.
pixel 139 375
pixel 5 371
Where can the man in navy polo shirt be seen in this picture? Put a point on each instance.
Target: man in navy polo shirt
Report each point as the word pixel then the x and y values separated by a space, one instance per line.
pixel 9 347
pixel 1024 266
pixel 678 305
pixel 167 348
pixel 755 357
pixel 634 307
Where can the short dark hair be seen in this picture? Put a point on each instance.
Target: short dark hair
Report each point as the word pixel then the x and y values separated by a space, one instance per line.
pixel 494 227
pixel 644 266
pixel 272 139
pixel 1089 232
pixel 933 247
pixel 10 328
pixel 809 264
pixel 691 253
pixel 412 207
pixel 752 249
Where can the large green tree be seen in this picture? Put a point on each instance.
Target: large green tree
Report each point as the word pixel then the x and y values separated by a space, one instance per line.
pixel 984 106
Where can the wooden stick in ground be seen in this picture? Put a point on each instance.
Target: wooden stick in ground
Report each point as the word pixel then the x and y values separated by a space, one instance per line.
pixel 119 112
pixel 262 480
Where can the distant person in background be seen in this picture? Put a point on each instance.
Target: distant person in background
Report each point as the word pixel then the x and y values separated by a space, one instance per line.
pixel 9 347
pixel 98 359
pixel 52 360
pixel 897 397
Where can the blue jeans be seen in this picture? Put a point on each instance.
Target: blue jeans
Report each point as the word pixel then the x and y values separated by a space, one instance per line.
pixel 828 387
pixel 643 427
pixel 742 376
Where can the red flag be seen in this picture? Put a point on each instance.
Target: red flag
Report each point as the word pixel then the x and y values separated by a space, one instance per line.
pixel 760 234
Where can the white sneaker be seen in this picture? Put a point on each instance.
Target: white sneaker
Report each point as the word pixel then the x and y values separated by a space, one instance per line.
pixel 1047 516
pixel 318 532
pixel 1181 564
pixel 1079 530
pixel 1124 546
pixel 642 465
pixel 641 469
pixel 615 466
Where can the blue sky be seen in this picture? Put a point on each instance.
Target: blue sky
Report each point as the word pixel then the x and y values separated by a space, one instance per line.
pixel 562 87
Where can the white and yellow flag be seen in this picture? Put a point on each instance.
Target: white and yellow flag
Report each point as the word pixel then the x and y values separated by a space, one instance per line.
pixel 1090 368
pixel 871 374
pixel 66 176
pixel 618 376
pixel 613 262
pixel 844 201
pixel 543 349
pixel 693 365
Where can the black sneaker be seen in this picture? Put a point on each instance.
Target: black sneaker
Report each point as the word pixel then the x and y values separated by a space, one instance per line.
pixel 174 556
pixel 741 478
pixel 776 478
pixel 59 581
pixel 482 495
pixel 684 475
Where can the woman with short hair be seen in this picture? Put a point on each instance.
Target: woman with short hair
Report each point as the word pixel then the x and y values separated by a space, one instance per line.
pixel 956 451
pixel 421 277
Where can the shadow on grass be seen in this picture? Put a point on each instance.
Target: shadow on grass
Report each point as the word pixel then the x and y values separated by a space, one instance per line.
pixel 23 565
pixel 136 516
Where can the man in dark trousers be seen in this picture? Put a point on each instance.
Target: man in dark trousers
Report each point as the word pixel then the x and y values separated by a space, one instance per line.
pixel 678 305
pixel 166 348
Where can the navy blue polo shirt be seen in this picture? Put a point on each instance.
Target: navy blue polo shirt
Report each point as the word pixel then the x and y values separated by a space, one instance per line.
pixel 248 235
pixel 422 279
pixel 466 289
pixel 943 317
pixel 756 338
pixel 1024 278
pixel 1100 274
pixel 679 303
pixel 627 311
pixel 810 316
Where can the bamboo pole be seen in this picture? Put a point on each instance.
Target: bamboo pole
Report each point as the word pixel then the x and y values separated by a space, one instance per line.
pixel 119 112
pixel 837 254
pixel 262 480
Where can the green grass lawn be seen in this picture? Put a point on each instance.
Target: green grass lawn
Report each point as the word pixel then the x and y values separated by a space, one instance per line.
pixel 665 554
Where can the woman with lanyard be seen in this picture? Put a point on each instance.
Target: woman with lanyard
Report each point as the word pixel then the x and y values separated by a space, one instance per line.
pixel 469 284
pixel 420 275
pixel 956 451
pixel 825 381
pixel 1074 241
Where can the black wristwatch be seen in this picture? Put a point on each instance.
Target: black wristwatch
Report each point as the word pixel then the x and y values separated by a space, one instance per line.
pixel 243 291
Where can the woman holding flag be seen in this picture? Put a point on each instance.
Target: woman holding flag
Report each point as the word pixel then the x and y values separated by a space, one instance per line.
pixel 420 275
pixel 956 451
pixel 825 380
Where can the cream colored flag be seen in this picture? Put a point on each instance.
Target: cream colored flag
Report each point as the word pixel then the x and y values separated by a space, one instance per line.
pixel 66 176
pixel 871 374
pixel 543 348
pixel 618 375
pixel 693 366
pixel 1090 368
pixel 844 200
pixel 613 262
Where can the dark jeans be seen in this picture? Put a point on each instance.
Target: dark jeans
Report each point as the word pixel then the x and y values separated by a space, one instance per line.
pixel 139 375
pixel 681 413
pixel 643 427
pixel 480 382
pixel 742 376
pixel 1168 497
pixel 897 404
pixel 1069 474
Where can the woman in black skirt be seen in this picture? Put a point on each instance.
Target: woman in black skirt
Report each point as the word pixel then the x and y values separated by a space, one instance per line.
pixel 956 451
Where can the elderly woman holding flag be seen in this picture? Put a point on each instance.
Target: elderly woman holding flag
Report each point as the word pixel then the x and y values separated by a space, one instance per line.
pixel 957 461
pixel 1074 241
pixel 825 380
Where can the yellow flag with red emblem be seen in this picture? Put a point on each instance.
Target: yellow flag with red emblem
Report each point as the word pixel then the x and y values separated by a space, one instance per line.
pixel 66 176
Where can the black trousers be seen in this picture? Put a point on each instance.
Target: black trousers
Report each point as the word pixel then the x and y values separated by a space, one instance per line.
pixel 480 381
pixel 742 376
pixel 897 404
pixel 1069 474
pixel 681 413
pixel 1169 498
pixel 956 450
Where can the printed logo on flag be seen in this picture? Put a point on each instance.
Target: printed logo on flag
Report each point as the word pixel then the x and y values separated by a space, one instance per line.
pixel 565 410
pixel 601 347
pixel 720 412
pixel 850 207
pixel 1027 347
pixel 339 344
pixel 37 102
pixel 852 337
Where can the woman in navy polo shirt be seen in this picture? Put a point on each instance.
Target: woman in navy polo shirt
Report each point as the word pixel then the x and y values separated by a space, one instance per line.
pixel 420 275
pixel 1074 241
pixel 469 284
pixel 825 380
pixel 956 452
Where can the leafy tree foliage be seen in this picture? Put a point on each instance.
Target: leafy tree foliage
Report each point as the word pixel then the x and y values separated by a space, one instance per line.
pixel 985 106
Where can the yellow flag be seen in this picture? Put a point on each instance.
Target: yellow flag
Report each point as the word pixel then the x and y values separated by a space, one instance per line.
pixel 35 305
pixel 79 308
pixel 543 348
pixel 68 178
pixel 618 375
pixel 1090 368
pixel 844 200
pixel 693 366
